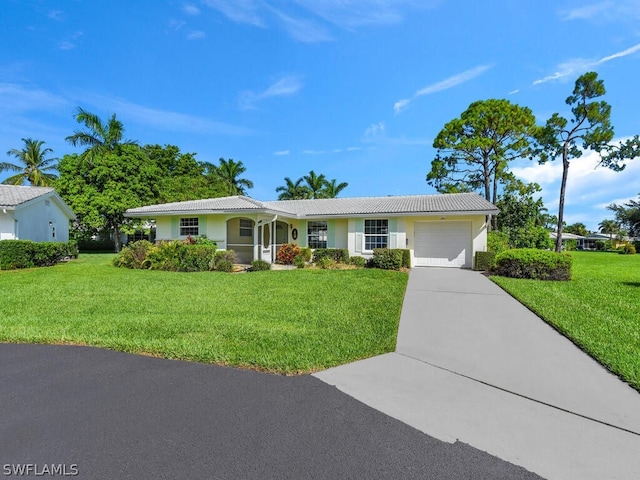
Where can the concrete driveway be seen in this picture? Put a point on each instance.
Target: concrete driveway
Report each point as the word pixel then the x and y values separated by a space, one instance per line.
pixel 111 415
pixel 472 364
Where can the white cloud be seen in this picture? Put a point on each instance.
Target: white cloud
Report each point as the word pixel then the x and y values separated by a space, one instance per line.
pixel 513 92
pixel 620 10
pixel 285 86
pixel 374 131
pixel 588 11
pixel 445 84
pixel 303 30
pixel 282 152
pixel 578 66
pixel 57 15
pixel 196 35
pixel 191 9
pixel 66 45
pixel 239 11
pixel 16 98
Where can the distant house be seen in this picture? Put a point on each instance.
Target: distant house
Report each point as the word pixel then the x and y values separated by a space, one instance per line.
pixel 33 213
pixel 439 230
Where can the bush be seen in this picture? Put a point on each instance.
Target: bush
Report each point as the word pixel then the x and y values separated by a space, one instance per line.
pixel 386 259
pixel 326 262
pixel 222 256
pixel 286 253
pixel 497 242
pixel 175 256
pixel 628 249
pixel 338 255
pixel 406 257
pixel 306 254
pixel 26 254
pixel 570 245
pixel 195 257
pixel 299 262
pixel 358 261
pixel 224 266
pixel 133 255
pixel 260 265
pixel 485 261
pixel 533 263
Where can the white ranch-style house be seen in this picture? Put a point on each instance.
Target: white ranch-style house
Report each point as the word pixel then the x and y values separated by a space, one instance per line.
pixel 33 213
pixel 439 230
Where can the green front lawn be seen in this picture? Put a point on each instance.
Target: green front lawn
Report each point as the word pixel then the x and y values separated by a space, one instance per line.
pixel 599 309
pixel 283 321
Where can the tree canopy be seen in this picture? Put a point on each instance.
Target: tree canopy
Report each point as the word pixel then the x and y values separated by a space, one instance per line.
pixel 229 171
pixel 474 150
pixel 310 186
pixel 34 166
pixel 589 128
pixel 628 216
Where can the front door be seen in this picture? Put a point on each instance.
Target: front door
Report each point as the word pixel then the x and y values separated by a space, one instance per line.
pixel 265 243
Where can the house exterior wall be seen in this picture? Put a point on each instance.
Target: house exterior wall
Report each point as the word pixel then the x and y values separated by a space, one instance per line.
pixel 7 225
pixel 42 221
pixel 342 232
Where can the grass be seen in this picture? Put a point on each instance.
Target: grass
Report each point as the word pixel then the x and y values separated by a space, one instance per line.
pixel 280 321
pixel 599 309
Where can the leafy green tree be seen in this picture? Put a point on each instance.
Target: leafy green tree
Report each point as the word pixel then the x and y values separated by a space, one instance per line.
pixel 229 172
pixel 100 191
pixel 474 150
pixel 34 166
pixel 315 184
pixel 182 176
pixel 577 229
pixel 99 137
pixel 292 190
pixel 609 227
pixel 589 128
pixel 332 189
pixel 519 206
pixel 628 215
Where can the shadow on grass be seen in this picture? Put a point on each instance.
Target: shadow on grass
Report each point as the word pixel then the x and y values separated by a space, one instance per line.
pixel 631 284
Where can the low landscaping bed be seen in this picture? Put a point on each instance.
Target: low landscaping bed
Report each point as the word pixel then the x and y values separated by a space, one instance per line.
pixel 290 322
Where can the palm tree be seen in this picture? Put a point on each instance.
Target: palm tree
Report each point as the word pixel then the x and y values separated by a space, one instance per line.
pixel 229 172
pixel 315 184
pixel 35 166
pixel 331 190
pixel 99 137
pixel 292 190
pixel 610 227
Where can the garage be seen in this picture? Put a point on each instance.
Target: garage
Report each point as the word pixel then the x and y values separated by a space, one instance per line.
pixel 442 244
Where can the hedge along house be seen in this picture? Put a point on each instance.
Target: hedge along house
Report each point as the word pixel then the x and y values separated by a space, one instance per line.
pixel 33 213
pixel 439 230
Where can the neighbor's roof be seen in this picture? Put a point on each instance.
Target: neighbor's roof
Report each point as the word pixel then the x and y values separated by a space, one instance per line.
pixel 399 205
pixel 13 195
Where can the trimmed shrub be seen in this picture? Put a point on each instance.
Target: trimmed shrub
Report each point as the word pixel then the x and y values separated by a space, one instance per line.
pixel 358 261
pixel 325 262
pixel 133 255
pixel 222 256
pixel 195 257
pixel 306 254
pixel 534 264
pixel 338 255
pixel 299 262
pixel 26 254
pixel 485 261
pixel 497 242
pixel 259 266
pixel 628 249
pixel 406 257
pixel 287 252
pixel 224 266
pixel 386 259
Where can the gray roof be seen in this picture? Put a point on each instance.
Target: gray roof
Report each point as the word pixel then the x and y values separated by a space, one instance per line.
pixel 12 195
pixel 459 203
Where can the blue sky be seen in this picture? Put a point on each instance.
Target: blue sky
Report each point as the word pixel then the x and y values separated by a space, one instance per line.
pixel 354 89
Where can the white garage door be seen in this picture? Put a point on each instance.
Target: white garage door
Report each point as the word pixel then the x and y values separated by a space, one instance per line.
pixel 442 244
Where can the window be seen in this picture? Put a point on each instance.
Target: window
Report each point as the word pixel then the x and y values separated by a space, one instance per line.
pixel 376 234
pixel 317 234
pixel 246 227
pixel 189 226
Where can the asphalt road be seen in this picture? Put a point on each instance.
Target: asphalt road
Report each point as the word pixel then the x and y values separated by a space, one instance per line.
pixel 112 415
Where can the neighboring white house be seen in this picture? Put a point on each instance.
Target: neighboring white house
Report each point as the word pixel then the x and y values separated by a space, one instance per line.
pixel 33 213
pixel 439 230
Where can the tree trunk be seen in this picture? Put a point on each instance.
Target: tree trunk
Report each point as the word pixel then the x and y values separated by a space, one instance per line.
pixel 494 218
pixel 116 240
pixel 563 186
